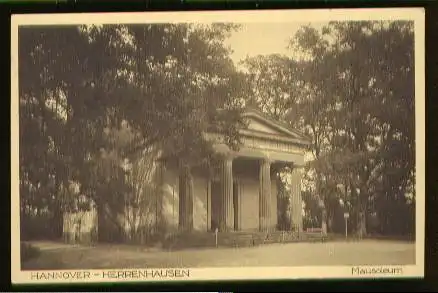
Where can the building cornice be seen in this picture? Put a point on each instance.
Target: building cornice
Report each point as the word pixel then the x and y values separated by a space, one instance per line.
pixel 274 137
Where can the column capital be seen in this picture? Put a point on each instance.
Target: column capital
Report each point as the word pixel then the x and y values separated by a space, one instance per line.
pixel 226 156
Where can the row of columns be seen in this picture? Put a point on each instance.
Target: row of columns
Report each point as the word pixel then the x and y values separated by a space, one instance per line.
pixel 226 220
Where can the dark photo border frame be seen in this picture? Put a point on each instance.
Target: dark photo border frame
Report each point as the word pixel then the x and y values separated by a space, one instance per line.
pixel 431 218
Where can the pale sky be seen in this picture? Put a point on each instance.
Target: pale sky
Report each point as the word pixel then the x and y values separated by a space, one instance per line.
pixel 254 39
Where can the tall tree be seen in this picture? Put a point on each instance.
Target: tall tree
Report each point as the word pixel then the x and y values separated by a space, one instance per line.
pixel 358 67
pixel 273 86
pixel 79 83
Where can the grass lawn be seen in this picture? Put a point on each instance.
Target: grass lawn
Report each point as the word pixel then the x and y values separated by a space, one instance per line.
pixel 366 252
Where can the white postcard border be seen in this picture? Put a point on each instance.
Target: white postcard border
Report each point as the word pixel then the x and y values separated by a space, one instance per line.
pixel 232 273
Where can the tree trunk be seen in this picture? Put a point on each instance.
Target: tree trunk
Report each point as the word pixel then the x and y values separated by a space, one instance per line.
pixel 101 231
pixel 362 214
pixel 330 222
pixel 57 220
pixel 323 204
pixel 361 229
pixel 324 220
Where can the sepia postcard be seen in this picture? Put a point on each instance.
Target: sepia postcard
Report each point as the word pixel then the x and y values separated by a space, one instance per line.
pixel 218 145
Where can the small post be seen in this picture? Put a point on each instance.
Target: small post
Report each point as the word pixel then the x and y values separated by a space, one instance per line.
pixel 215 234
pixel 346 229
pixel 346 216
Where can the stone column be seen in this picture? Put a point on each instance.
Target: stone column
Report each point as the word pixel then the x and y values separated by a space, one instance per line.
pixel 296 201
pixel 185 199
pixel 226 221
pixel 265 195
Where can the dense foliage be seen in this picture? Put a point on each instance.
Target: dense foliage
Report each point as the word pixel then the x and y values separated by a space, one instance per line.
pixel 93 97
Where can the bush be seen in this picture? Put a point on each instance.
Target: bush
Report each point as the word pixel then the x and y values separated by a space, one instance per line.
pixel 28 251
pixel 40 226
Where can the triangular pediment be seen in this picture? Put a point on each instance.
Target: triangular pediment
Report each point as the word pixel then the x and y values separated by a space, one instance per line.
pixel 260 123
pixel 259 126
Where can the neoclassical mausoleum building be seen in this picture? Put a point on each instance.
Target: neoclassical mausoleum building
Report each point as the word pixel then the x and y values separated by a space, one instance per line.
pixel 241 195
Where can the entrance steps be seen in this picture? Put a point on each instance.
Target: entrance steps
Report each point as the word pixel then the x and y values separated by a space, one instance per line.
pixel 238 239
